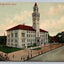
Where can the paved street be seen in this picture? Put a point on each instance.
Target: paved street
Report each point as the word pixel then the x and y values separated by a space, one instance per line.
pixel 54 55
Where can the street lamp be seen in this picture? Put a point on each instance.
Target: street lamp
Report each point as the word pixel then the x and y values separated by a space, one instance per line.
pixel 50 46
pixel 31 49
pixel 31 52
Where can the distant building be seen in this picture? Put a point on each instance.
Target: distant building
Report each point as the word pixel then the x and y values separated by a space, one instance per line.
pixel 54 39
pixel 22 36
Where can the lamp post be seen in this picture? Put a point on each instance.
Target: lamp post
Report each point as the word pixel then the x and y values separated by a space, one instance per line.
pixel 31 49
pixel 31 52
pixel 50 46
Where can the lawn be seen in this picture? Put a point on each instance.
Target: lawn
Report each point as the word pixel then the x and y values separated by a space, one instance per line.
pixel 6 49
pixel 37 48
pixel 32 46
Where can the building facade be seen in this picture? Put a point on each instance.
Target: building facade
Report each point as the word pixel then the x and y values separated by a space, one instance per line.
pixel 22 36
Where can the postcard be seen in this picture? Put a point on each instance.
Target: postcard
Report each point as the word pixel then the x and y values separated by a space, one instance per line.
pixel 31 32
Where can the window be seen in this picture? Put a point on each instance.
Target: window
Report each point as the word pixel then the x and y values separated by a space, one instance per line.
pixel 15 45
pixel 27 31
pixel 23 40
pixel 11 40
pixel 23 34
pixel 8 35
pixel 16 34
pixel 11 34
pixel 27 35
pixel 11 43
pixel 16 40
pixel 8 40
pixel 23 44
pixel 31 35
pixel 8 43
pixel 27 40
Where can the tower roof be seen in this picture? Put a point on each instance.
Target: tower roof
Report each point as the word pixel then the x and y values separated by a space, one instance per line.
pixel 36 4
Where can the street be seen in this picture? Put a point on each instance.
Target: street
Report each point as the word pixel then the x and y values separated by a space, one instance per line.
pixel 56 55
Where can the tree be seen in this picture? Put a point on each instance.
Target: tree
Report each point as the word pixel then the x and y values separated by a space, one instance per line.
pixel 60 37
pixel 50 40
pixel 3 40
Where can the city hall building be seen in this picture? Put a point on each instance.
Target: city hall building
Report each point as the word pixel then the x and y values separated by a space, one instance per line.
pixel 22 36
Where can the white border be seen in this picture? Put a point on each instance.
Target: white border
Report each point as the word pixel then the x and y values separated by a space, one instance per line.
pixel 31 1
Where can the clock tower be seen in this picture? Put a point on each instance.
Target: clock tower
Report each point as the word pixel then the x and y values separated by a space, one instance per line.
pixel 35 18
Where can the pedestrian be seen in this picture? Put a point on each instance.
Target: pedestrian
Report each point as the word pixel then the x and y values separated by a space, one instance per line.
pixel 24 59
pixel 13 56
pixel 21 58
pixel 38 53
pixel 41 52
pixel 27 57
pixel 1 54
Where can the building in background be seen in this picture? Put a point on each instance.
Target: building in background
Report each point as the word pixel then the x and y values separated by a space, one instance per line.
pixel 22 36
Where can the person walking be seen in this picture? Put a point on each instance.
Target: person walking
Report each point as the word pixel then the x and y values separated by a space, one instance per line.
pixel 13 56
pixel 21 58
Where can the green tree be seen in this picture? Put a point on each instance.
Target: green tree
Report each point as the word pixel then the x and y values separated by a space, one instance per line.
pixel 3 40
pixel 60 37
pixel 50 40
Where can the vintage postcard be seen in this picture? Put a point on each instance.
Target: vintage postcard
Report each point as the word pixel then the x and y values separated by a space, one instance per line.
pixel 31 32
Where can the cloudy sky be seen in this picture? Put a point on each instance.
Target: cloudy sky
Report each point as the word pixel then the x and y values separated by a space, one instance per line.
pixel 51 16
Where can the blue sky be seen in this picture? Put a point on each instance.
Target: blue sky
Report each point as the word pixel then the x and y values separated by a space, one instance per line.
pixel 51 16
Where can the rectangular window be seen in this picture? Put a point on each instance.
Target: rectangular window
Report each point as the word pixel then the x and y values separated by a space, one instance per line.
pixel 11 34
pixel 27 31
pixel 8 40
pixel 12 44
pixel 23 40
pixel 23 45
pixel 27 35
pixel 8 43
pixel 8 35
pixel 16 34
pixel 16 40
pixel 15 45
pixel 12 40
pixel 23 34
pixel 27 40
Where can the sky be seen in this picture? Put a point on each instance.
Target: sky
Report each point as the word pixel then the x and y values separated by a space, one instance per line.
pixel 51 16
pixel 31 0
